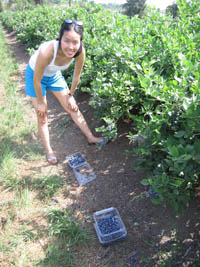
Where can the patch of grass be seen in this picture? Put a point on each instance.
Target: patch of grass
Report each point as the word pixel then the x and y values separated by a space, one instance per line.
pixel 57 256
pixel 24 199
pixel 63 225
pixel 27 234
pixel 7 164
pixel 66 233
pixel 13 248
pixel 48 186
pixel 31 150
pixel 15 124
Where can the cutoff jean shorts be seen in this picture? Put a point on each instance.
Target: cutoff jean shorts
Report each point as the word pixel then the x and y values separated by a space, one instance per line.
pixel 52 83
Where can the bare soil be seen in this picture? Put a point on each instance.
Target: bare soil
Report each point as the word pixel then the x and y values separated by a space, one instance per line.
pixel 155 233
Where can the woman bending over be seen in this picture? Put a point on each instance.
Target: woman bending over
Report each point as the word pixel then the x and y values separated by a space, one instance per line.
pixel 43 73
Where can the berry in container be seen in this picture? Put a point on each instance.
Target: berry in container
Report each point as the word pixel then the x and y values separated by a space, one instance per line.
pixel 109 226
pixel 75 160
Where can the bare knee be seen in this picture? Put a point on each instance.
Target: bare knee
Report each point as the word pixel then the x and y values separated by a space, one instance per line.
pixel 73 112
pixel 42 121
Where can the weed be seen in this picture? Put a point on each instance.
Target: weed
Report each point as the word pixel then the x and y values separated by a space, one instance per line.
pixel 24 199
pixel 27 234
pixel 63 225
pixel 68 233
pixel 57 256
pixel 48 186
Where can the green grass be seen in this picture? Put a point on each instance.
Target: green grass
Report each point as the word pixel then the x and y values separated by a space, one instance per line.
pixel 26 215
pixel 66 233
pixel 63 225
pixel 48 186
pixel 14 125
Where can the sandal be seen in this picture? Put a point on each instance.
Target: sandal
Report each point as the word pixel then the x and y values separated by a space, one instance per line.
pixel 51 159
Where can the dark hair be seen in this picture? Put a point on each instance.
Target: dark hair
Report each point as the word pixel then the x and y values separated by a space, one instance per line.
pixel 68 27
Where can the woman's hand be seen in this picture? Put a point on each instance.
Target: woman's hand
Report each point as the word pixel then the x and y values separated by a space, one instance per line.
pixel 42 109
pixel 71 103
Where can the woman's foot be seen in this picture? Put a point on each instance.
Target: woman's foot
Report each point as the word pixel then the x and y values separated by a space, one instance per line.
pixel 98 141
pixel 51 158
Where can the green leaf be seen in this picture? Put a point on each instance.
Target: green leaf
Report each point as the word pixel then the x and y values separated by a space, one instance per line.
pixel 173 151
pixel 185 157
pixel 138 66
pixel 156 201
pixel 145 182
pixel 179 134
pixel 176 182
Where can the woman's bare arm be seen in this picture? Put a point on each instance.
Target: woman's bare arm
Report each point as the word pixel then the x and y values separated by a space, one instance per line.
pixel 44 58
pixel 79 62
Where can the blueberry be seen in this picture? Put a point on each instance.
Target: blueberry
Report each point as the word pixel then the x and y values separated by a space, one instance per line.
pixel 76 160
pixel 108 225
pixel 152 193
pixel 132 260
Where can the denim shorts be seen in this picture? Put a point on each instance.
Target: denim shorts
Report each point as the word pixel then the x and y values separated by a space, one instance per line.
pixel 52 83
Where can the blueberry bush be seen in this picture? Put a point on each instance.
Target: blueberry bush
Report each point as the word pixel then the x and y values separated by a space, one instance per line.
pixel 142 69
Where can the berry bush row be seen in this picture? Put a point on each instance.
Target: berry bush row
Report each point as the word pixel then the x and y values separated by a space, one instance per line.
pixel 144 69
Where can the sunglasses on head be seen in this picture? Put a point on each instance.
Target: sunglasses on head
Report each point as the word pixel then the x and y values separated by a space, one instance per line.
pixel 77 22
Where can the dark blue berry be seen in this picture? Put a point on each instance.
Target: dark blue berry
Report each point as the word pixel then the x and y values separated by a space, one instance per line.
pixel 109 227
pixel 132 260
pixel 109 224
pixel 76 160
pixel 153 193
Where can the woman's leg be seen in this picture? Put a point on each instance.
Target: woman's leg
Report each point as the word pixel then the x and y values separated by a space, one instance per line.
pixel 77 117
pixel 44 133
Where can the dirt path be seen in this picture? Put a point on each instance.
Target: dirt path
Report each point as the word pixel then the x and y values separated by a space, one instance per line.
pixel 152 230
